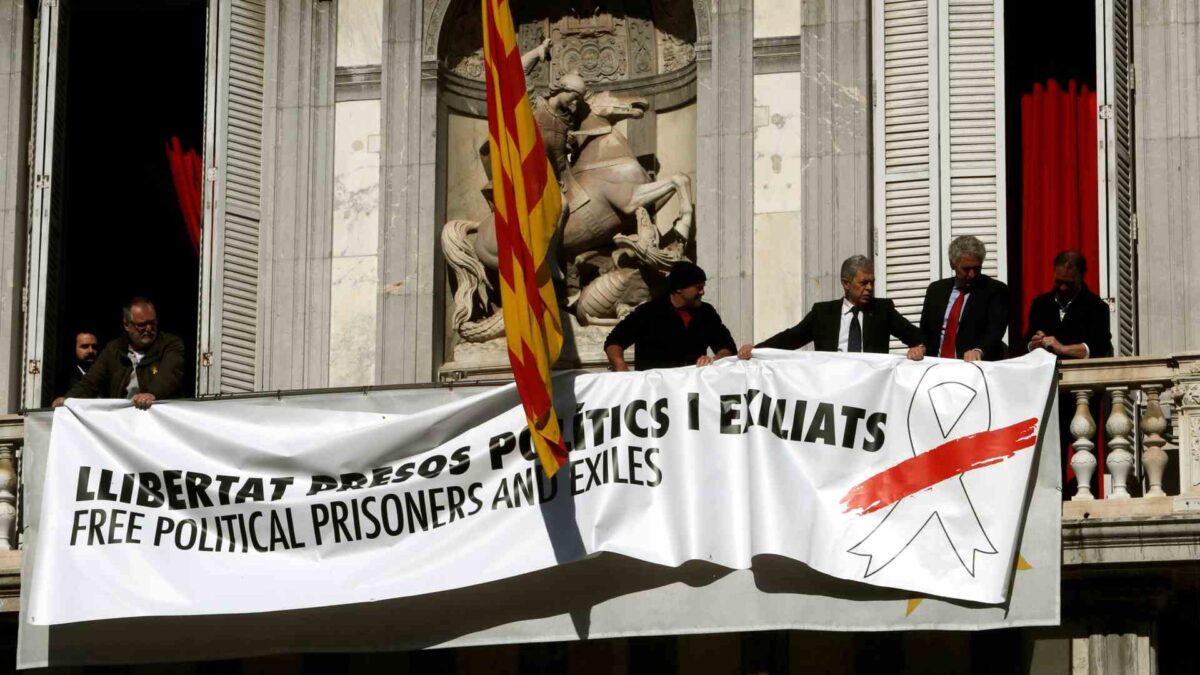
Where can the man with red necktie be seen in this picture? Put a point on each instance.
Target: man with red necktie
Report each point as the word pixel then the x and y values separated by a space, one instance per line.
pixel 965 316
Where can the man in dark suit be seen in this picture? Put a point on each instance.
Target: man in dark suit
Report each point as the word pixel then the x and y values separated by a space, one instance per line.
pixel 1070 321
pixel 859 322
pixel 965 316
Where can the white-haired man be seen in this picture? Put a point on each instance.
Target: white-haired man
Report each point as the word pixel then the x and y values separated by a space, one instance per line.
pixel 965 316
pixel 858 322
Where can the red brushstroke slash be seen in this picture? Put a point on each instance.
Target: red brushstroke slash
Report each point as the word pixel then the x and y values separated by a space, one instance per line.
pixel 945 461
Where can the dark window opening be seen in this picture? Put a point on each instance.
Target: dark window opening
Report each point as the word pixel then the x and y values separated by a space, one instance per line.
pixel 135 79
pixel 1047 44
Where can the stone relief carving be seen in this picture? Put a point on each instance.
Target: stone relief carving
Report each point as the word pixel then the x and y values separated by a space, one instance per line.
pixel 675 24
pixel 642 47
pixel 463 45
pixel 1187 393
pixel 603 41
pixel 591 45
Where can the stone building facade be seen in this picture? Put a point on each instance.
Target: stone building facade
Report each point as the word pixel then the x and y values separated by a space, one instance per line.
pixel 342 135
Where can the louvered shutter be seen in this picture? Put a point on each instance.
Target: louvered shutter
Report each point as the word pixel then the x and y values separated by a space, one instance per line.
pixel 1118 127
pixel 46 187
pixel 229 318
pixel 971 85
pixel 906 166
pixel 939 140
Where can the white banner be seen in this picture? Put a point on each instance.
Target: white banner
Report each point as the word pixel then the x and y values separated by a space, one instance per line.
pixel 867 468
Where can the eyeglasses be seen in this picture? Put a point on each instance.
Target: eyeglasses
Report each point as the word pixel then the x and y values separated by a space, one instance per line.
pixel 142 325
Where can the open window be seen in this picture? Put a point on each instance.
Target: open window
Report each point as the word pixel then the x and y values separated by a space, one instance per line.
pixel 115 82
pixel 1070 143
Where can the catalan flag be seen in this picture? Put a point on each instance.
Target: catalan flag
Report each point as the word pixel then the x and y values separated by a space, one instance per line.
pixel 527 208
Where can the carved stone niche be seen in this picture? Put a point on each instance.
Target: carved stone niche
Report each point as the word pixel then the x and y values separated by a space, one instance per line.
pixel 629 191
pixel 605 41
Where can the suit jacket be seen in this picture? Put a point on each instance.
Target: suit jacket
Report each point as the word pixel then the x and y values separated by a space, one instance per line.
pixel 982 324
pixel 821 325
pixel 76 374
pixel 1085 321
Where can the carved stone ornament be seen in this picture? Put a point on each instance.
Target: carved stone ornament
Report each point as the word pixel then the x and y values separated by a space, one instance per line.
pixel 1187 393
pixel 602 41
pixel 676 28
pixel 462 45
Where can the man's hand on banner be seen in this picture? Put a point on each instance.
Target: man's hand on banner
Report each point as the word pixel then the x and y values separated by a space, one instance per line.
pixel 143 401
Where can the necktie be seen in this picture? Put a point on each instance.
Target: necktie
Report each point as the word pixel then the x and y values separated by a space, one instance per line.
pixel 948 346
pixel 854 344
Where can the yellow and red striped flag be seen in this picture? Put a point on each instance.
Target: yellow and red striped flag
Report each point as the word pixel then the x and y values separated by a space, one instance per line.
pixel 527 207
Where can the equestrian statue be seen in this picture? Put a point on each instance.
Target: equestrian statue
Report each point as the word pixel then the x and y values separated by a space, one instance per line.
pixel 609 248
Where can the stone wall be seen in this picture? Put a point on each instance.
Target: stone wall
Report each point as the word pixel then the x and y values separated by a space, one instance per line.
pixel 354 277
pixel 1166 43
pixel 812 161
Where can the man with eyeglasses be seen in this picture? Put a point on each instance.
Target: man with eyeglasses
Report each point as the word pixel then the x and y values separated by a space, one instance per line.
pixel 144 365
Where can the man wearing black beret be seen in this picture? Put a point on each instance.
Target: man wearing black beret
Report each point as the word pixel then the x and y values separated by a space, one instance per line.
pixel 677 329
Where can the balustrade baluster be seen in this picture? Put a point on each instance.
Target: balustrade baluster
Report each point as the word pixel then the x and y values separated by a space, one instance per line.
pixel 8 498
pixel 1154 457
pixel 1120 459
pixel 1083 461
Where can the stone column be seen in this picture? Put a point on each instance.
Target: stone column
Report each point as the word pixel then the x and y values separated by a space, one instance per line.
pixel 725 172
pixel 1131 653
pixel 297 226
pixel 408 261
pixel 836 99
pixel 1186 419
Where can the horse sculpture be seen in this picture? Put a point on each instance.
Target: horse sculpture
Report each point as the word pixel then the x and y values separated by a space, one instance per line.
pixel 608 199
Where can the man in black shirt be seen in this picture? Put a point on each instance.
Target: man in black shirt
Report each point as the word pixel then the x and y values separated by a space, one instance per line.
pixel 1070 321
pixel 674 330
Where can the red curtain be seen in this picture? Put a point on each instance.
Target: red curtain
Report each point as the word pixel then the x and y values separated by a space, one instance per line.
pixel 1060 196
pixel 186 171
pixel 1060 189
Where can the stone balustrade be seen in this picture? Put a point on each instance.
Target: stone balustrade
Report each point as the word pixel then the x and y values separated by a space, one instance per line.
pixel 1151 432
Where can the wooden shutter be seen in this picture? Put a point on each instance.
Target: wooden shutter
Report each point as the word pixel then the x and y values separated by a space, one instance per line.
pixel 43 343
pixel 230 321
pixel 939 140
pixel 971 87
pixel 1119 221
pixel 906 160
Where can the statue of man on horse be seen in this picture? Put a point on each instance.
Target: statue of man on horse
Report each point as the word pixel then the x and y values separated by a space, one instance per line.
pixel 608 242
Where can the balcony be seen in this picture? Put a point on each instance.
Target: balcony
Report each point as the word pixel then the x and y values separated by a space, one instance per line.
pixel 1148 509
pixel 1144 508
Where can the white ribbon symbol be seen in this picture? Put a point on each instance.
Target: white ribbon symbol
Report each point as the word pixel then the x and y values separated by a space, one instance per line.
pixel 951 401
